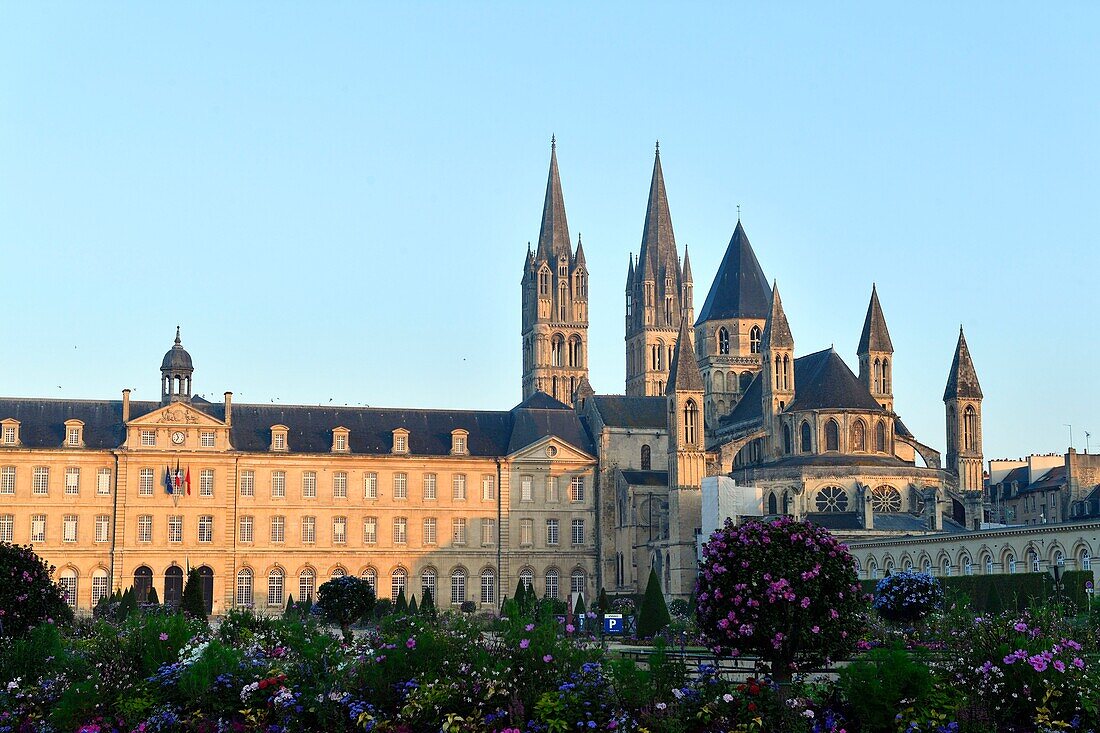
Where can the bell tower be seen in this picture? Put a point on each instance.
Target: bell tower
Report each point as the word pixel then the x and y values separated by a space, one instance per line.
pixel 963 402
pixel 175 374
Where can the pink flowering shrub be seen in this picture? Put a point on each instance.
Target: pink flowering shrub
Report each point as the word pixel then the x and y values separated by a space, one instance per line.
pixel 28 596
pixel 783 590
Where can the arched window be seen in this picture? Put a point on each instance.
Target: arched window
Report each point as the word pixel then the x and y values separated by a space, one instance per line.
pixel 945 567
pixel 859 436
pixel 876 380
pixel 544 281
pixel 723 341
pixel 832 499
pixel 100 585
pixel 1010 563
pixel 647 458
pixel 786 439
pixel 691 415
pixel 307 583
pixel 575 355
pixel 988 563
pixel 562 302
pixel 773 504
pixel 786 372
pixel 66 580
pixel 244 588
pixel 805 445
pixel 1033 561
pixel 885 376
pixel 275 587
pixel 885 498
pixel 731 382
pixel 552 583
pixel 880 436
pixel 832 435
pixel 970 428
pixel 777 373
pixel 488 586
pixel 399 580
pixel 754 340
pixel 173 585
pixel 143 583
pixel 427 583
pixel 967 565
pixel 527 577
pixel 371 576
pixel 338 572
pixel 1085 559
pixel 458 586
pixel 557 347
pixel 577 581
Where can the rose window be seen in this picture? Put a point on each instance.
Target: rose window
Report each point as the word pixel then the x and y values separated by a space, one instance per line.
pixel 832 499
pixel 885 499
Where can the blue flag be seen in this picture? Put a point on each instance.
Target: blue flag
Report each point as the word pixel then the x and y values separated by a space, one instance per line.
pixel 167 480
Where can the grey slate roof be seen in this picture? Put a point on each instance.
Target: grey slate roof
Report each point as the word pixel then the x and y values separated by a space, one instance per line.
pixel 750 407
pixel 491 433
pixel 554 233
pixel 618 411
pixel 645 478
pixel 839 459
pixel 658 258
pixel 777 332
pixel 875 336
pixel 177 358
pixel 823 381
pixel 683 373
pixel 901 429
pixel 881 521
pixel 740 289
pixel 962 381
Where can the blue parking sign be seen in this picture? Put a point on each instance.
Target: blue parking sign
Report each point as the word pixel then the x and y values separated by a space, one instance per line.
pixel 613 623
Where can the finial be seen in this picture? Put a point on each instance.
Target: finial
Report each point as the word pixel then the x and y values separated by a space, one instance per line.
pixel 738 213
pixel 658 148
pixel 553 142
pixel 177 335
pixel 578 239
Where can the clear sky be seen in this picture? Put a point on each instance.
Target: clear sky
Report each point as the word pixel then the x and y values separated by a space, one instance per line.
pixel 334 199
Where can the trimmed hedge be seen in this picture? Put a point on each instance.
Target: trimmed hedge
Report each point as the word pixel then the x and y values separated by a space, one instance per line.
pixel 997 593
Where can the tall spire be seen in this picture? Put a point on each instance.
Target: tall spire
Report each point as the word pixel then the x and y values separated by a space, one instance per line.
pixel 554 234
pixel 962 381
pixel 658 240
pixel 630 273
pixel 684 375
pixel 875 337
pixel 687 265
pixel 777 332
pixel 578 259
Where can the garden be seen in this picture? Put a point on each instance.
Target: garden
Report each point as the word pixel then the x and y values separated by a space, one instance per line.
pixel 780 636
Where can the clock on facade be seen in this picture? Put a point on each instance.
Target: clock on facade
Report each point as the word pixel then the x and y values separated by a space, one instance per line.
pixel 177 437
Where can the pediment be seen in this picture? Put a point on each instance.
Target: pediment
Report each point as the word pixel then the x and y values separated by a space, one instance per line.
pixel 552 449
pixel 176 414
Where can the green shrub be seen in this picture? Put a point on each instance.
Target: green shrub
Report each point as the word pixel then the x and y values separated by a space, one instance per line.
pixel 27 594
pixel 345 600
pixel 401 605
pixel 874 686
pixel 653 615
pixel 192 603
pixel 427 607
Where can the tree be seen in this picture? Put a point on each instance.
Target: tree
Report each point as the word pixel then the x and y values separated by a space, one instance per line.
pixel 154 599
pixel 345 600
pixel 427 606
pixel 786 591
pixel 401 606
pixel 653 615
pixel 291 609
pixel 192 603
pixel 603 605
pixel 27 594
pixel 412 607
pixel 907 596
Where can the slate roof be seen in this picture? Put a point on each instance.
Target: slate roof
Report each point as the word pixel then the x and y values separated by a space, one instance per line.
pixel 658 258
pixel 554 234
pixel 618 411
pixel 881 521
pixel 962 381
pixel 901 429
pixel 491 433
pixel 838 459
pixel 823 381
pixel 740 289
pixel 777 332
pixel 750 407
pixel 683 373
pixel 645 478
pixel 177 358
pixel 875 336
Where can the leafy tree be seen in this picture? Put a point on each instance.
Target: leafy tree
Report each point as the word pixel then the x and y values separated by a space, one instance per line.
pixel 345 600
pixel 653 615
pixel 783 590
pixel 401 606
pixel 192 603
pixel 27 594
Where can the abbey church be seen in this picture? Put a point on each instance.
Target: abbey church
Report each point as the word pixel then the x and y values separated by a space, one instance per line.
pixel 568 492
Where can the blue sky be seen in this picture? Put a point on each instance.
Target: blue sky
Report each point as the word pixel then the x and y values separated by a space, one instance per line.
pixel 334 200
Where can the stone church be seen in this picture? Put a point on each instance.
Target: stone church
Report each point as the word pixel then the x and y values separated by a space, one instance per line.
pixel 725 393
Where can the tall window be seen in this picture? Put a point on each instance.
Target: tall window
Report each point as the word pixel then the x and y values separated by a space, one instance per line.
pixel 859 436
pixel 244 588
pixel 206 482
pixel 458 487
pixel 68 528
pixel 552 583
pixel 805 445
pixel 370 485
pixel 723 341
pixel 458 586
pixel 307 581
pixel 527 577
pixel 970 428
pixel 647 458
pixel 278 529
pixel 248 483
pixel 577 581
pixel 880 436
pixel 206 528
pixel 557 351
pixel 886 376
pixel 245 527
pixel 429 486
pixel 526 532
pixel 309 484
pixel 102 528
pixel 488 488
pixel 399 580
pixel 832 435
pixel 38 528
pixel 103 481
pixel 458 531
pixel 525 488
pixel 488 586
pixel 401 486
pixel 576 488
pixel 7 480
pixel 400 530
pixel 275 587
pixel 754 340
pixel 278 484
pixel 370 530
pixel 691 417
pixel 145 482
pixel 99 585
pixel 9 435
pixel 552 488
pixel 577 527
pixel 562 302
pixel 7 527
pixel 145 528
pixel 786 438
pixel 66 580
pixel 72 481
pixel 339 485
pixel 428 583
pixel 430 530
pixel 488 531
pixel 175 528
pixel 551 532
pixel 309 530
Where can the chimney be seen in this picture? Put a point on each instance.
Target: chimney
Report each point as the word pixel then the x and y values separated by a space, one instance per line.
pixel 229 408
pixel 125 406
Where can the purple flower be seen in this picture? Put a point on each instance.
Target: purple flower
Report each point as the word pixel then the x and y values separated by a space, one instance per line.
pixel 548 658
pixel 163 636
pixel 529 627
pixel 411 643
pixel 524 643
pixel 1059 665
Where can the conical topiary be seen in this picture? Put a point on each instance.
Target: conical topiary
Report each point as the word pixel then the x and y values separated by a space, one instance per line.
pixel 412 607
pixel 290 609
pixel 427 607
pixel 154 599
pixel 401 606
pixel 603 605
pixel 579 610
pixel 653 615
pixel 192 602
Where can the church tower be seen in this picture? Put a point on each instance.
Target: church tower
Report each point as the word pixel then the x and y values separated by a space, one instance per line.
pixel 963 401
pixel 555 302
pixel 876 355
pixel 686 463
pixel 176 370
pixel 656 292
pixel 777 386
pixel 728 334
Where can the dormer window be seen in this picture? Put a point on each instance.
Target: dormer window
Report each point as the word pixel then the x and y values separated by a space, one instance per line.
pixel 458 443
pixel 340 440
pixel 279 437
pixel 401 441
pixel 9 435
pixel 149 438
pixel 74 433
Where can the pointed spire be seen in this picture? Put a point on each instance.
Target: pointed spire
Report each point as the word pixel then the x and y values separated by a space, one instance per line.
pixel 658 240
pixel 962 381
pixel 687 266
pixel 178 336
pixel 529 261
pixel 554 234
pixel 875 337
pixel 630 274
pixel 683 374
pixel 777 332
pixel 584 388
pixel 740 289
pixel 578 259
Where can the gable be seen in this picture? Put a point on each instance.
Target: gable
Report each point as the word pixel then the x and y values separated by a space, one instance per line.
pixel 177 414
pixel 551 449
